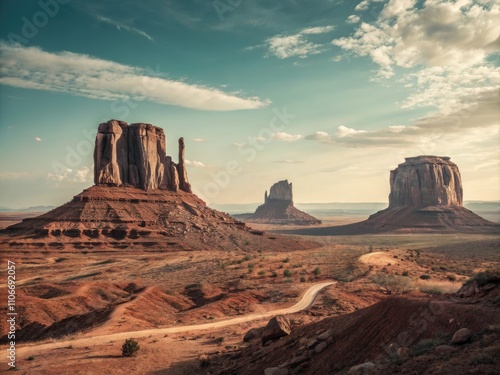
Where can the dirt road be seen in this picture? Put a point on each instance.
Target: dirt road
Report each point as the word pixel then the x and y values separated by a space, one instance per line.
pixel 89 340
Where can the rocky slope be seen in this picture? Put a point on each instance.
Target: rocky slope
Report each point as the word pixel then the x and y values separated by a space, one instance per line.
pixel 141 199
pixel 278 208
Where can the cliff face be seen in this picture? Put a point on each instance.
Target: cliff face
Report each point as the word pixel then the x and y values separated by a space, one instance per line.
pixel 135 155
pixel 281 190
pixel 424 181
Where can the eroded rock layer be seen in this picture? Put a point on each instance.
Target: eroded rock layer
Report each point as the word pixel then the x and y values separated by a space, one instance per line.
pixel 109 217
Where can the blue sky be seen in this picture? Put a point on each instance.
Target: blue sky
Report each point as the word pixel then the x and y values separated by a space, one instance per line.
pixel 328 94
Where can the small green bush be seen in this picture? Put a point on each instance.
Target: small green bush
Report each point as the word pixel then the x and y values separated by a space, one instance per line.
pixel 274 274
pixel 286 260
pixel 302 279
pixel 405 273
pixel 287 273
pixel 262 273
pixel 317 271
pixel 425 277
pixel 486 277
pixel 130 347
pixel 422 347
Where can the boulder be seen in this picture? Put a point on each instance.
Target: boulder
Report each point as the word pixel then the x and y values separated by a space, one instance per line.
pixel 461 336
pixel 364 368
pixel 275 371
pixel 325 335
pixel 252 334
pixel 444 349
pixel 277 327
pixel 321 347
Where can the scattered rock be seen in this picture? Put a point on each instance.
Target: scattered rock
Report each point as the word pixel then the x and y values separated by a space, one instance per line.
pixel 252 334
pixel 364 368
pixel 321 347
pixel 403 352
pixel 277 327
pixel 444 348
pixel 461 336
pixel 325 335
pixel 312 343
pixel 275 371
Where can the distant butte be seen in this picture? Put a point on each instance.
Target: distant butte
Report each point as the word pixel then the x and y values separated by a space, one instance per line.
pixel 426 196
pixel 278 208
pixel 141 200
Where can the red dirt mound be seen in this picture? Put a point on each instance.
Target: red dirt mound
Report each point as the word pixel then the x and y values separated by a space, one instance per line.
pixel 103 217
pixel 370 334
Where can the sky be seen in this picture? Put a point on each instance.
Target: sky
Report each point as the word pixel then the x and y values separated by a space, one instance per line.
pixel 329 94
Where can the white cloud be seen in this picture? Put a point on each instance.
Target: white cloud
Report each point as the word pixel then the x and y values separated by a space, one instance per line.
pixel 196 164
pixel 123 26
pixel 70 175
pixel 288 161
pixel 38 139
pixel 199 140
pixel 446 44
pixel 285 46
pixel 343 131
pixel 353 19
pixel 366 3
pixel 320 136
pixel 286 137
pixel 83 75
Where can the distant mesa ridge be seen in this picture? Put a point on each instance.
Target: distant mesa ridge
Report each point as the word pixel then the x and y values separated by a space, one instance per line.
pixel 278 208
pixel 135 155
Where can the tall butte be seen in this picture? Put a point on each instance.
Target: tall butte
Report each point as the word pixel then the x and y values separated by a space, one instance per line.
pixel 278 208
pixel 141 199
pixel 427 194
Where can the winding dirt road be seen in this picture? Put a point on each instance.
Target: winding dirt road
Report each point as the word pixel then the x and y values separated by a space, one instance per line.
pixel 88 340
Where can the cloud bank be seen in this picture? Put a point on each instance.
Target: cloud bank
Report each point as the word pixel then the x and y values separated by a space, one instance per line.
pixel 87 76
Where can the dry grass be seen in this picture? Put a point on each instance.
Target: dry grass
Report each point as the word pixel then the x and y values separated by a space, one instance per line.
pixel 437 287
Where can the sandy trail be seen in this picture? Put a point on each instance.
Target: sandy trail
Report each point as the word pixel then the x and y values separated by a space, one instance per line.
pixel 378 258
pixel 87 340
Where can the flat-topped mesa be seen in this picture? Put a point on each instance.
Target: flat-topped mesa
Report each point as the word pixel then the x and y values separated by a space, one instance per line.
pixel 135 155
pixel 425 181
pixel 281 190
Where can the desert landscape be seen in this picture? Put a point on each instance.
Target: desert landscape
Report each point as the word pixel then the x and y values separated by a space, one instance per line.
pixel 250 187
pixel 139 256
